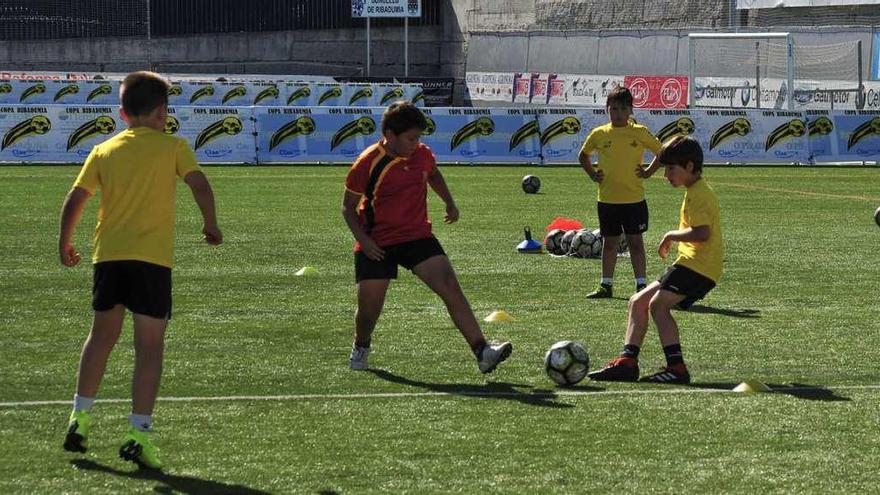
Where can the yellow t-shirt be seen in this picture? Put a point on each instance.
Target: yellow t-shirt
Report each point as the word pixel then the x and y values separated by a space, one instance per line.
pixel 137 172
pixel 700 207
pixel 620 151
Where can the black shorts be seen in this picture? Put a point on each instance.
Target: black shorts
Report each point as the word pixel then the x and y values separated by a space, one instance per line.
pixel 406 254
pixel 144 288
pixel 629 218
pixel 686 282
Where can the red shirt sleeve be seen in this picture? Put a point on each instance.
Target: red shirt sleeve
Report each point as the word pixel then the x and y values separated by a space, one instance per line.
pixel 359 175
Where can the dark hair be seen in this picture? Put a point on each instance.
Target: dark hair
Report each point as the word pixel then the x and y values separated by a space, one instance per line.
pixel 619 94
pixel 402 116
pixel 680 150
pixel 142 92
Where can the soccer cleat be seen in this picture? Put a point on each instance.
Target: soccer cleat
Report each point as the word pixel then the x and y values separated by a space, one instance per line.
pixel 639 287
pixel 358 358
pixel 138 448
pixel 78 431
pixel 492 355
pixel 619 369
pixel 601 292
pixel 677 373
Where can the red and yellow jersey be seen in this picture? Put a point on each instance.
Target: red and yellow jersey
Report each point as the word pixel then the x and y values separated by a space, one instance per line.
pixel 394 202
pixel 620 151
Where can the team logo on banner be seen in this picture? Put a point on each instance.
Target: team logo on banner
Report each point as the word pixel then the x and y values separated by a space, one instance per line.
pixel 102 125
pixel 36 89
pixel 391 95
pixel 430 126
pixel 104 89
pixel 201 93
pixel 34 126
pixel 483 126
pixel 791 129
pixel 523 133
pixel 270 92
pixel 681 127
pixel 175 90
pixel 420 96
pixel 334 92
pixel 362 93
pixel 734 128
pixel 302 126
pixel 865 130
pixel 821 126
pixel 567 126
pixel 301 92
pixel 229 126
pixel 172 125
pixel 70 89
pixel 5 88
pixel 363 126
pixel 234 93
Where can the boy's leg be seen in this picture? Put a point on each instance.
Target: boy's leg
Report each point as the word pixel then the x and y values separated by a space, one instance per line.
pixel 661 311
pixel 437 273
pixel 609 261
pixel 637 258
pixel 371 299
pixel 106 327
pixel 149 347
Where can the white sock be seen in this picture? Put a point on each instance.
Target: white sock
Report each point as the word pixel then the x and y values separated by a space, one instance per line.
pixel 640 280
pixel 81 403
pixel 607 281
pixel 141 422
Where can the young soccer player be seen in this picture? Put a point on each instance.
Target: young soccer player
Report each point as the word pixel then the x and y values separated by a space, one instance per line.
pixel 385 206
pixel 136 171
pixel 622 208
pixel 695 272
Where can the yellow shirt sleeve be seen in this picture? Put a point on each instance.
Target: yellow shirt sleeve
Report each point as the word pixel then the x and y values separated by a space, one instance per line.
pixel 88 177
pixel 700 213
pixel 651 142
pixel 186 159
pixel 590 143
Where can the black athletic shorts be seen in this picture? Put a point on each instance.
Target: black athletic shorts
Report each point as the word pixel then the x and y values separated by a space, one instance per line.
pixel 406 254
pixel 686 282
pixel 144 288
pixel 629 218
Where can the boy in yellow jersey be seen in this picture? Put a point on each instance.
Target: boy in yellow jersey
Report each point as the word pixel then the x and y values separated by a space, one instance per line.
pixel 137 172
pixel 695 272
pixel 622 208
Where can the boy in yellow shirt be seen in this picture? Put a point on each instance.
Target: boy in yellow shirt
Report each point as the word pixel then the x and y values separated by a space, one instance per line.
pixel 621 206
pixel 137 172
pixel 695 272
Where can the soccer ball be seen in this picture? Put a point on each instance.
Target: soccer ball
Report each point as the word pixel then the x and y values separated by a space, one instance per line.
pixel 567 362
pixel 531 184
pixel 622 245
pixel 552 241
pixel 877 216
pixel 565 243
pixel 586 244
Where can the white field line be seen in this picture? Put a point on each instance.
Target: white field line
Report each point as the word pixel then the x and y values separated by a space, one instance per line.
pixel 548 394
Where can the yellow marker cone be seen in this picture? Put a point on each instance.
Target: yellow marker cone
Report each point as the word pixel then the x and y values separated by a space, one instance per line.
pixel 498 316
pixel 306 270
pixel 752 387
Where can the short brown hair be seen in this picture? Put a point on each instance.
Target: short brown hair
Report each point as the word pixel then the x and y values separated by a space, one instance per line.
pixel 680 150
pixel 402 116
pixel 620 94
pixel 142 92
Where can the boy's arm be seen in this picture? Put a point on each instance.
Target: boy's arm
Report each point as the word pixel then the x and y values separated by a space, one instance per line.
pixel 587 165
pixel 369 247
pixel 204 197
pixel 438 184
pixel 644 173
pixel 655 146
pixel 71 212
pixel 700 233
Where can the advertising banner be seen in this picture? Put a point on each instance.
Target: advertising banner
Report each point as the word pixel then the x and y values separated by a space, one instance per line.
pixel 522 87
pixel 54 133
pixel 386 8
pixel 216 134
pixel 490 86
pixel 856 135
pixel 470 135
pixel 658 91
pixel 588 91
pixel 752 136
pixel 59 92
pixel 564 130
pixel 315 135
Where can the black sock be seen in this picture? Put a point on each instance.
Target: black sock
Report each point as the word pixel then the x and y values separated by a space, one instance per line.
pixel 630 351
pixel 478 349
pixel 364 345
pixel 673 354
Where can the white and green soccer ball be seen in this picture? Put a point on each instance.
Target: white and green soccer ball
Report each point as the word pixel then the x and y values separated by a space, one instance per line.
pixel 567 362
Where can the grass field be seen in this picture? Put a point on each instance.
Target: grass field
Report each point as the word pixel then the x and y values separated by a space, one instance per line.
pixel 257 396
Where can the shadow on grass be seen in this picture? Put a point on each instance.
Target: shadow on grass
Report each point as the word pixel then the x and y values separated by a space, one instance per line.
pixel 495 390
pixel 799 390
pixel 736 313
pixel 169 482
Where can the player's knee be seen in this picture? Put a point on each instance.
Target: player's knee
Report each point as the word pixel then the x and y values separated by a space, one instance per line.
pixel 636 243
pixel 639 302
pixel 659 305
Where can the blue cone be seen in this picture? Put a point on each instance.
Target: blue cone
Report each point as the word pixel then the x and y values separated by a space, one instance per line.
pixel 529 245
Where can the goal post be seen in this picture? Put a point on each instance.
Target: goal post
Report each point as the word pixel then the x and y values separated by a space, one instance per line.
pixel 750 59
